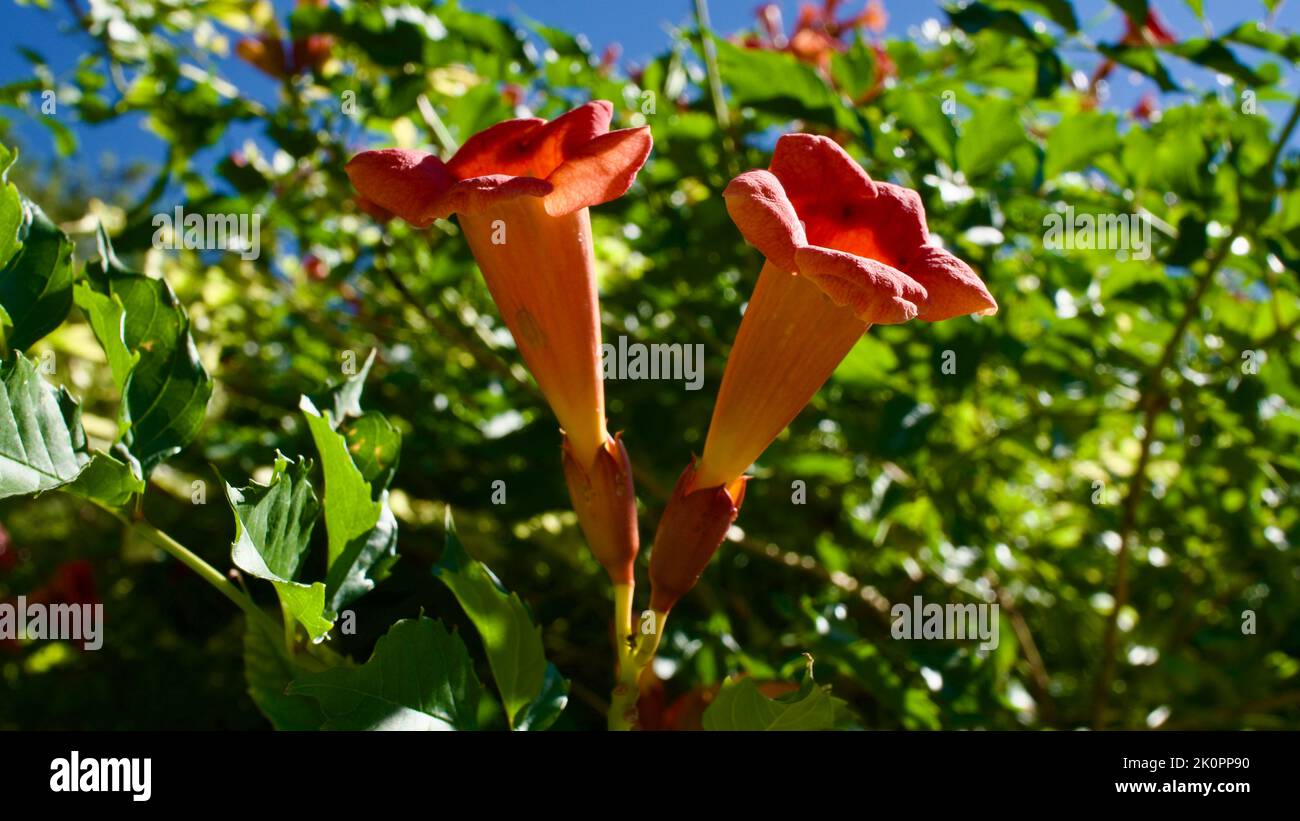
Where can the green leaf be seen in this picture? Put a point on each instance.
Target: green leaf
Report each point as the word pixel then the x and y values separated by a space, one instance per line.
pixel 11 208
pixel 268 674
pixel 994 131
pixel 36 282
pixel 375 446
pixel 1142 59
pixel 362 530
pixel 273 525
pixel 1077 139
pixel 1135 9
pixel 108 481
pixel 1214 55
pixel 1060 12
pixel 777 83
pixel 343 400
pixel 165 392
pixel 925 116
pixel 532 690
pixel 42 444
pixel 419 677
pixel 1256 36
pixel 740 705
pixel 973 18
pixel 106 315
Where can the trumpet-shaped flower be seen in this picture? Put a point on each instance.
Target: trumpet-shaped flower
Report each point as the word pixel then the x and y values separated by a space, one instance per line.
pixel 521 190
pixel 843 252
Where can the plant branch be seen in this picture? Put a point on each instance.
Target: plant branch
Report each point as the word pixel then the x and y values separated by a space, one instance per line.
pixel 1152 401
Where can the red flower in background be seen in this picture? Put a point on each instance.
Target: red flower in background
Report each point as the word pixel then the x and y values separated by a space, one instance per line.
pixel 1152 32
pixel 819 33
pixel 72 582
pixel 275 58
pixel 8 556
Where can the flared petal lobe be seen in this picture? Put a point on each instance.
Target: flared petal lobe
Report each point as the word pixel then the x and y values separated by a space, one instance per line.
pixel 402 182
pixel 955 290
pixel 598 172
pixel 571 162
pixel 875 292
pixel 759 207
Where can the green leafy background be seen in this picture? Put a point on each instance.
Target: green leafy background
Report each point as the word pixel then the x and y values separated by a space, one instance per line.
pixel 1100 440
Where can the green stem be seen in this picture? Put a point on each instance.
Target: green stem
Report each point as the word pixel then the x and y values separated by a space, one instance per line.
pixel 633 663
pixel 206 571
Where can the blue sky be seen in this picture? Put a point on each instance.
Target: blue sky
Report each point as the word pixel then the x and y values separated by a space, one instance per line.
pixel 639 27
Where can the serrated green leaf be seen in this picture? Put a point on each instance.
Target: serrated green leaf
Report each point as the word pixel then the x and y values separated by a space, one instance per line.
pixel 343 401
pixel 362 531
pixel 109 481
pixel 273 525
pixel 740 705
pixel 419 677
pixel 42 444
pixel 375 446
pixel 531 689
pixel 165 395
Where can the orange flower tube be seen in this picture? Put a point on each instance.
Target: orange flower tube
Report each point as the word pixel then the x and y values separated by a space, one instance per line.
pixel 843 252
pixel 522 190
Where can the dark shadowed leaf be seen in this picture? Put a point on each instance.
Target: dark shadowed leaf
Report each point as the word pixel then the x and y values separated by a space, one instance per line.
pixel 532 690
pixel 419 678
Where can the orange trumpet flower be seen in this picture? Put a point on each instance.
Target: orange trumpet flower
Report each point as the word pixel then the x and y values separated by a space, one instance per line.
pixel 522 189
pixel 843 252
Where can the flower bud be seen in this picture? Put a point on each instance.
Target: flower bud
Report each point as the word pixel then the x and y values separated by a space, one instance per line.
pixel 605 502
pixel 690 531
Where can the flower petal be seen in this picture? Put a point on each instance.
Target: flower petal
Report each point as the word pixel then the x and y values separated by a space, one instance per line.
pixel 875 292
pixel 896 221
pixel 567 134
pixel 475 195
pixel 761 210
pixel 599 171
pixel 405 183
pixel 828 189
pixel 532 147
pixel 812 167
pixel 494 150
pixel 954 289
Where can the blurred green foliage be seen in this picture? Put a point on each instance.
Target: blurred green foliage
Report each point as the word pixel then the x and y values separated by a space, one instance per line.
pixel 1113 459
